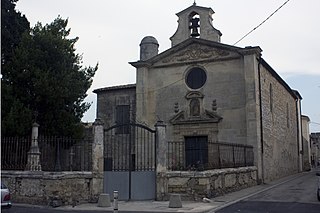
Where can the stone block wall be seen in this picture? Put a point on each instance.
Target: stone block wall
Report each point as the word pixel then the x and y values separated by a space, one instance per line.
pixel 194 185
pixel 280 133
pixel 49 188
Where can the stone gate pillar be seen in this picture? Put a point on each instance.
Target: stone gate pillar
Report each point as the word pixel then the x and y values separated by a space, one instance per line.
pixel 97 160
pixel 161 157
pixel 161 148
pixel 33 163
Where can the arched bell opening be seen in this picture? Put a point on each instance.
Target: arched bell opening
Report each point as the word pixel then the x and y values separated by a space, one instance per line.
pixel 194 25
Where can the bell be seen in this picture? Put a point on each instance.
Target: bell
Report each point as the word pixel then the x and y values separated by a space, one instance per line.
pixel 194 25
pixel 194 32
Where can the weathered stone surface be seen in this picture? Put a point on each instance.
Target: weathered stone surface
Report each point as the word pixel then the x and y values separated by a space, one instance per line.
pixel 204 181
pixel 104 200
pixel 178 181
pixel 49 188
pixel 175 201
pixel 279 128
pixel 196 185
pixel 244 178
pixel 230 180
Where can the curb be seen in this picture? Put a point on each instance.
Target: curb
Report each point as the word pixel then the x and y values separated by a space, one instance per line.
pixel 260 191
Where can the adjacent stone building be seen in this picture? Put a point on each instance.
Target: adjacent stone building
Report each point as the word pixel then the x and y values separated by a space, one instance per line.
pixel 209 92
pixel 315 149
pixel 306 145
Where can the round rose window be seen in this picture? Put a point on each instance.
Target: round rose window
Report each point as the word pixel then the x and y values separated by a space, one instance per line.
pixel 196 78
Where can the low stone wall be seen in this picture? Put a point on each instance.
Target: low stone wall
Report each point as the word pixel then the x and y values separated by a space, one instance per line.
pixel 195 185
pixel 49 188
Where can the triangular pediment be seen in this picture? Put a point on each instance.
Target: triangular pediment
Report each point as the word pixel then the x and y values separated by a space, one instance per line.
pixel 196 50
pixel 193 50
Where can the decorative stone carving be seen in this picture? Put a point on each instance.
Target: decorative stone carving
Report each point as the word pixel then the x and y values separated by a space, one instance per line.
pixel 196 52
pixel 206 117
pixel 178 117
pixel 196 113
pixel 214 105
pixel 176 107
pixel 194 94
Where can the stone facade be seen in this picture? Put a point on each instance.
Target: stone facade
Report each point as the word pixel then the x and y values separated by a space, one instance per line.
pixel 203 88
pixel 306 145
pixel 315 148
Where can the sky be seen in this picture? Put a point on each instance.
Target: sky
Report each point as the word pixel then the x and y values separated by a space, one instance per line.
pixel 110 33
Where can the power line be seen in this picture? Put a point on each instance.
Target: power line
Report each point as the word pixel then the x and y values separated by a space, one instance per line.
pixel 315 123
pixel 262 22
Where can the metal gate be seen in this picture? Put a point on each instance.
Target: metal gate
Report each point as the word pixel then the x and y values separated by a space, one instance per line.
pixel 130 161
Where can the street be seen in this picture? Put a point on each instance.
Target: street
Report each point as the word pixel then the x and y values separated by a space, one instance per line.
pixel 29 209
pixel 295 196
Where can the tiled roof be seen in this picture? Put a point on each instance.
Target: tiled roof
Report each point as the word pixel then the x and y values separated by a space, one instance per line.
pixel 119 87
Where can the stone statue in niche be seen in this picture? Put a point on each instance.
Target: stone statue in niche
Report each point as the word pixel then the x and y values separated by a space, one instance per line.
pixel 195 107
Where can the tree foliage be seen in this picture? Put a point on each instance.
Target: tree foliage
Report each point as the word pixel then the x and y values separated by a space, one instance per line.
pixel 13 25
pixel 46 82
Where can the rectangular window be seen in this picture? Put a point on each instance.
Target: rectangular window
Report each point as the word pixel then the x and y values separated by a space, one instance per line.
pixel 196 149
pixel 123 117
pixel 288 116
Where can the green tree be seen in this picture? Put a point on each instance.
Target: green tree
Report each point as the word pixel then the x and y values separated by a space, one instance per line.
pixel 47 81
pixel 13 25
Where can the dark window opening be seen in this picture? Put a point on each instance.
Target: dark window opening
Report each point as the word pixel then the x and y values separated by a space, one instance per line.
pixel 123 117
pixel 288 116
pixel 196 78
pixel 196 149
pixel 271 97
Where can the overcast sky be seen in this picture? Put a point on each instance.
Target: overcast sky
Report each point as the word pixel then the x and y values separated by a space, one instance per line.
pixel 110 33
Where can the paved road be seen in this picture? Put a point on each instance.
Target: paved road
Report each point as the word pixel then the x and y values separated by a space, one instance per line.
pixel 296 196
pixel 30 209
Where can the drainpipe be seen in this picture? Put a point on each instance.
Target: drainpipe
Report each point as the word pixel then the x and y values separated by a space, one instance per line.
pixel 301 138
pixel 261 123
pixel 299 135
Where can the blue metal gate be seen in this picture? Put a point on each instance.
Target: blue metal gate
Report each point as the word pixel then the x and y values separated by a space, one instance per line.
pixel 130 161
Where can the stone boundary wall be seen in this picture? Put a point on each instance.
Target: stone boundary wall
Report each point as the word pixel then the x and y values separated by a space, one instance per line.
pixel 195 185
pixel 49 188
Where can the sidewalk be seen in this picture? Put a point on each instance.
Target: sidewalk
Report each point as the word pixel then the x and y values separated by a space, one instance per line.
pixel 187 206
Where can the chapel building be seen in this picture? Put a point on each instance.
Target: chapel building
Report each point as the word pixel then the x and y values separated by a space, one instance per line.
pixel 208 92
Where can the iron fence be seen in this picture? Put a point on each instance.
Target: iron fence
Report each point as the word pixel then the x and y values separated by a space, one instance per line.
pixel 213 156
pixel 130 150
pixel 14 152
pixel 56 153
pixel 65 154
